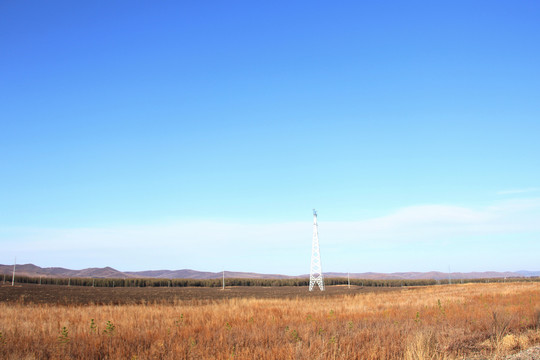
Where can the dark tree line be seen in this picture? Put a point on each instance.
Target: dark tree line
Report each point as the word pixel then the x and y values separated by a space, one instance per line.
pixel 152 282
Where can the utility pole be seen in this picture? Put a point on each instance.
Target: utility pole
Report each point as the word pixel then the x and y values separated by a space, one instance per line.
pixel 13 279
pixel 223 282
pixel 315 274
pixel 349 280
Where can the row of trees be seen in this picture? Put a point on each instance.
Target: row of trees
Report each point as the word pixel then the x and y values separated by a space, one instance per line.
pixel 101 282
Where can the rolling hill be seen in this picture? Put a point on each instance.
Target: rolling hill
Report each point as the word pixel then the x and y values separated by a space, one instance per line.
pixel 108 272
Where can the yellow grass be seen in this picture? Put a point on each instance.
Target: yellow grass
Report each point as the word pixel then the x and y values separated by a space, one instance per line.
pixel 438 322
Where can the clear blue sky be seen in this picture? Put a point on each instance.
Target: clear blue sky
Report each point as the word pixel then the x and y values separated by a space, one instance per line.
pixel 199 126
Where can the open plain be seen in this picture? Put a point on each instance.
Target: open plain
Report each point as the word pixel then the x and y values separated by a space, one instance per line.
pixel 81 295
pixel 433 322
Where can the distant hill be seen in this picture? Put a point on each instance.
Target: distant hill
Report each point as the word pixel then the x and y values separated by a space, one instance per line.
pixel 193 274
pixel 108 272
pixel 427 275
pixel 528 273
pixel 33 270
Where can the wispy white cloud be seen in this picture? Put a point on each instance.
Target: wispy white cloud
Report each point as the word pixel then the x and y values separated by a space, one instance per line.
pixel 517 191
pixel 420 222
pixel 167 244
pixel 441 222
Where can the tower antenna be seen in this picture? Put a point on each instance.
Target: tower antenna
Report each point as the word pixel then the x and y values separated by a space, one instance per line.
pixel 315 274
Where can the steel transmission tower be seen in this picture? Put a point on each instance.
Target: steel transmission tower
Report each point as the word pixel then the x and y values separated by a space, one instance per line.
pixel 315 274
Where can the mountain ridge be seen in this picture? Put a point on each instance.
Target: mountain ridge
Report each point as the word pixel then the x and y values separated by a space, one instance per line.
pixel 109 272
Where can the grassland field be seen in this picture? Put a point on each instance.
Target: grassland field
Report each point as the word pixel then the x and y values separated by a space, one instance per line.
pixel 460 321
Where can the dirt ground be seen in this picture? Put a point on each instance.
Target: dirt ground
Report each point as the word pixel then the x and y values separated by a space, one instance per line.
pixel 529 354
pixel 65 295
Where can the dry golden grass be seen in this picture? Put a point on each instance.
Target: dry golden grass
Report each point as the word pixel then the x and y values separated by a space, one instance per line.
pixel 438 322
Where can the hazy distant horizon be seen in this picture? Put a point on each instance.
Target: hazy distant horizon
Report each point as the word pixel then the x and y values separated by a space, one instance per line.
pixel 233 270
pixel 34 270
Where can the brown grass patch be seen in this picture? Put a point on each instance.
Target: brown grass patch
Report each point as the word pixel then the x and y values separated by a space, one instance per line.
pixel 438 322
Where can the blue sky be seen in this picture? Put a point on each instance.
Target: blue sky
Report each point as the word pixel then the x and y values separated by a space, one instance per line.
pixel 200 135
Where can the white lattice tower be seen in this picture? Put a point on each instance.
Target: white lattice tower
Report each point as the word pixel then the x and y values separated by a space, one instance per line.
pixel 315 274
